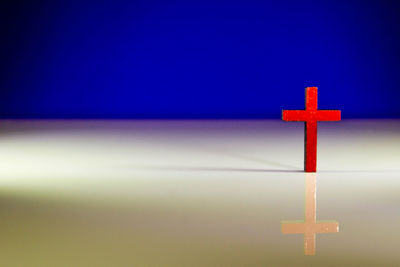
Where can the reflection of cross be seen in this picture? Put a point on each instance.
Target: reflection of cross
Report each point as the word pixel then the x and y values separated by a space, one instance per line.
pixel 310 227
pixel 310 116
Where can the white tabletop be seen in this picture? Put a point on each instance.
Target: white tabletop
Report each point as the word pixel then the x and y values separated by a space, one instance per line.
pixel 197 193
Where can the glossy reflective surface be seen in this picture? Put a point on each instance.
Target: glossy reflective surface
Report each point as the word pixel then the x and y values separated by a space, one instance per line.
pixel 205 193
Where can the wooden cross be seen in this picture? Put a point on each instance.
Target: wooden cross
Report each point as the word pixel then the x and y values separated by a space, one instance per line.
pixel 311 115
pixel 310 227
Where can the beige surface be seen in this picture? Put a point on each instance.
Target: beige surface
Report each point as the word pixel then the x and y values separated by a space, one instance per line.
pixel 187 193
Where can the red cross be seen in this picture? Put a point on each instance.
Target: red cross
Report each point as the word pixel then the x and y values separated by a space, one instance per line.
pixel 311 115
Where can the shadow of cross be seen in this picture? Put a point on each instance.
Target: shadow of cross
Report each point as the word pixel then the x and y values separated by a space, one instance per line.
pixel 310 227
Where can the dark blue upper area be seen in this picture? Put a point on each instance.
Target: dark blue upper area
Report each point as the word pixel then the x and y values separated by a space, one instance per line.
pixel 197 59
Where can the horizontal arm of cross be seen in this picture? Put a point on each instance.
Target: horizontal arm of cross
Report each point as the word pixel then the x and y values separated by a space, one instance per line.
pixel 304 115
pixel 294 115
pixel 328 115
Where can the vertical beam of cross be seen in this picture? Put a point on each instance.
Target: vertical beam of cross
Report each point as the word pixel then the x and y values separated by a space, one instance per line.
pixel 311 115
pixel 310 226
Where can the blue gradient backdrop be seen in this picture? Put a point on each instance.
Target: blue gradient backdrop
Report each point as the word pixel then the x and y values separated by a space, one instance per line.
pixel 197 59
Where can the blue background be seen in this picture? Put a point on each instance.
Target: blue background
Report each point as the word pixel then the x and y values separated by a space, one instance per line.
pixel 197 59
